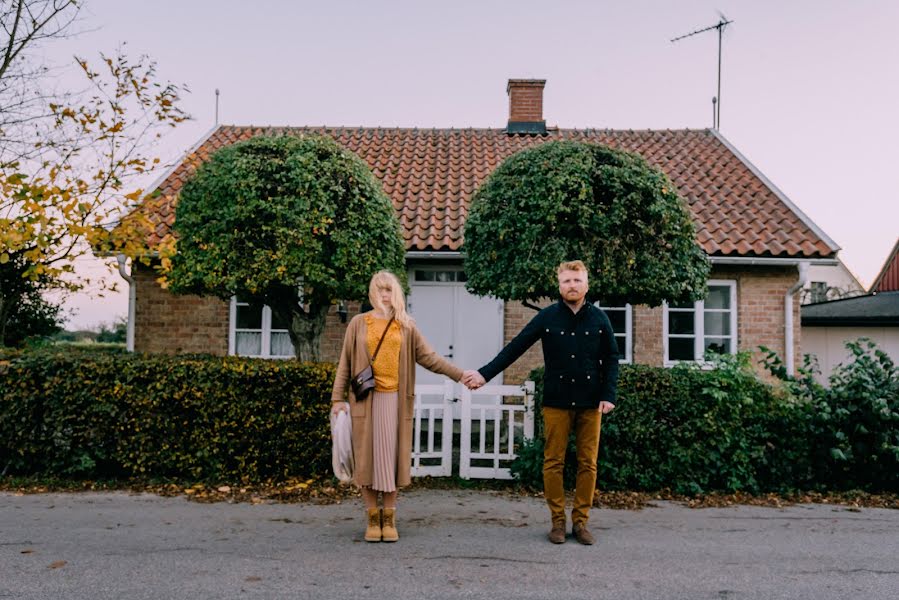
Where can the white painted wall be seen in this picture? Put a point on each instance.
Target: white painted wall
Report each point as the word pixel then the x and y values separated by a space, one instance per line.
pixel 828 344
pixel 835 276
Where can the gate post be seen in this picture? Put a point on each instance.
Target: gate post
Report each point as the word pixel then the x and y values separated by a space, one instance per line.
pixel 528 410
pixel 465 438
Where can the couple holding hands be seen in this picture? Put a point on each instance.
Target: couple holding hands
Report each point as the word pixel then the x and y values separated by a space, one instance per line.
pixel 580 380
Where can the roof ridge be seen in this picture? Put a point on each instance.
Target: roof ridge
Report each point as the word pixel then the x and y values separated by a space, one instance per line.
pixel 805 219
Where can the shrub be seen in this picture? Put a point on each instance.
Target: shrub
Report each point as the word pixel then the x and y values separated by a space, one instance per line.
pixel 204 418
pixel 853 421
pixel 693 430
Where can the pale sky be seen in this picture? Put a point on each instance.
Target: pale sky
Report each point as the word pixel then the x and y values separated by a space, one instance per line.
pixel 810 88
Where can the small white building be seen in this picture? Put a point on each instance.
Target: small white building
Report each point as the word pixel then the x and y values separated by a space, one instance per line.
pixel 830 282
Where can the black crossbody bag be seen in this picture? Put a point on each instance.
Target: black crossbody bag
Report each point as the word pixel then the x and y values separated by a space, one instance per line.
pixel 364 381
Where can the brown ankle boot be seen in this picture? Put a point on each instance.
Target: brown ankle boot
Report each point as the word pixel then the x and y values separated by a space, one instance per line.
pixel 373 531
pixel 388 525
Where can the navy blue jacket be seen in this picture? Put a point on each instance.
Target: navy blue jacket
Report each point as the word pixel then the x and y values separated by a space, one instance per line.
pixel 579 352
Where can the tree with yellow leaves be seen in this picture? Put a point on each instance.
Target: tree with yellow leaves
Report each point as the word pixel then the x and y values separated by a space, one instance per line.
pixel 63 191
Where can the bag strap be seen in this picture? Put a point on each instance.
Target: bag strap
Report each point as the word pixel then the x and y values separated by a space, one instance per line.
pixel 383 335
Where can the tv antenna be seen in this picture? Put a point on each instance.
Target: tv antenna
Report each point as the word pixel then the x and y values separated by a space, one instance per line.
pixel 216 107
pixel 716 101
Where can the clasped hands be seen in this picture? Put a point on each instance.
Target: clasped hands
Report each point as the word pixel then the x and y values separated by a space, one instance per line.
pixel 472 379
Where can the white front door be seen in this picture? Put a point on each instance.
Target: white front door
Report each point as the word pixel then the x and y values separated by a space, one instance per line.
pixel 466 329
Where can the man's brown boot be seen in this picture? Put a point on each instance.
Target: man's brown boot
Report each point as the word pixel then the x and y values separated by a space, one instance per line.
pixel 388 526
pixel 582 535
pixel 373 531
pixel 557 533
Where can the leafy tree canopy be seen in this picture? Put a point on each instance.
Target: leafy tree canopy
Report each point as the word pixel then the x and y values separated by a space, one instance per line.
pixel 292 222
pixel 572 200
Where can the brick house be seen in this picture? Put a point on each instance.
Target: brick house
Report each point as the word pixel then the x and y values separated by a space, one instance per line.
pixel 760 245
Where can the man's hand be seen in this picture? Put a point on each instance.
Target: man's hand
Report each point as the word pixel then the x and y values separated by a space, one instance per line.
pixel 606 407
pixel 472 379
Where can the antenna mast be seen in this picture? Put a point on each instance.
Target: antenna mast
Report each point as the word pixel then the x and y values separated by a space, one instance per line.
pixel 216 107
pixel 716 102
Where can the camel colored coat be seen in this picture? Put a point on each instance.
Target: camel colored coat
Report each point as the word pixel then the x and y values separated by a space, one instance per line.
pixel 353 358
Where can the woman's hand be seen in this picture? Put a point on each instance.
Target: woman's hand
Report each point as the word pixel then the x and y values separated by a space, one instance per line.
pixel 338 407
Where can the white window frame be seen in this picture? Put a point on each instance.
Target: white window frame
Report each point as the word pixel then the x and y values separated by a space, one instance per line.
pixel 699 325
pixel 436 269
pixel 628 356
pixel 266 332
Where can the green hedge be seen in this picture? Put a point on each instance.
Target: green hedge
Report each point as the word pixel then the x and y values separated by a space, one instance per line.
pixel 100 414
pixel 692 431
pixel 725 429
pixel 96 415
pixel 853 421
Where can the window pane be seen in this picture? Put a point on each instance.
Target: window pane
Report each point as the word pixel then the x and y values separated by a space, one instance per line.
pixel 424 275
pixel 621 340
pixel 681 304
pixel 281 345
pixel 249 343
pixel 461 276
pixel 717 323
pixel 680 322
pixel 249 317
pixel 680 348
pixel 717 345
pixel 618 319
pixel 278 323
pixel 445 276
pixel 719 297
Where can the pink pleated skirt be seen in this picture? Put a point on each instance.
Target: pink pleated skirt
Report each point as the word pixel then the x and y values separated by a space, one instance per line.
pixel 384 431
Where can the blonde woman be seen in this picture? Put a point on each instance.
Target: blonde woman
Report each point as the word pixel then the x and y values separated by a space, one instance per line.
pixel 382 421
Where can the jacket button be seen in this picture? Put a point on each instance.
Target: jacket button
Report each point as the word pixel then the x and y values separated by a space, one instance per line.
pixel 588 377
pixel 572 380
pixel 572 333
pixel 560 377
pixel 547 331
pixel 572 404
pixel 586 333
pixel 572 356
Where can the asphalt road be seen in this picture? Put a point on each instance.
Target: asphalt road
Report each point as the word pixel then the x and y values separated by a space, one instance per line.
pixel 454 544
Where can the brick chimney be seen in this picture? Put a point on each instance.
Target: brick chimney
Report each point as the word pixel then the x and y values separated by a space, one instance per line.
pixel 526 106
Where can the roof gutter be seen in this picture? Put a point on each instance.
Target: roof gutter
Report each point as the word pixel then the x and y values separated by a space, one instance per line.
pixel 774 262
pixel 454 254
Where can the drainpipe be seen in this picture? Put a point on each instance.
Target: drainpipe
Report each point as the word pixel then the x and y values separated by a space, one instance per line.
pixel 788 317
pixel 132 297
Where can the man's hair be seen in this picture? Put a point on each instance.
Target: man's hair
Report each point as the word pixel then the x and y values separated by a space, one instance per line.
pixel 571 265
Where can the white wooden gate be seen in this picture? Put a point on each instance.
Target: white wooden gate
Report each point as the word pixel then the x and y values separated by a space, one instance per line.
pixel 432 433
pixel 495 419
pixel 500 427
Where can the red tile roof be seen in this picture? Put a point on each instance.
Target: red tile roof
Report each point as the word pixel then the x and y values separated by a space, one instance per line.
pixel 431 175
pixel 888 279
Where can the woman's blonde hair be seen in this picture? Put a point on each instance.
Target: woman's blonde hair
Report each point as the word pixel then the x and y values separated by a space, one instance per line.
pixel 385 280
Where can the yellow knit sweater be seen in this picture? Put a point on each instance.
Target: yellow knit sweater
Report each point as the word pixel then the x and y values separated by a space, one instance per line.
pixel 387 363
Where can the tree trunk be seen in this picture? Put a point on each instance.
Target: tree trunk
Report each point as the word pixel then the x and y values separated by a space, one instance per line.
pixel 306 329
pixel 4 316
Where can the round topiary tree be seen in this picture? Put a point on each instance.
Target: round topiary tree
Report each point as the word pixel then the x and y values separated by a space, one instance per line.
pixel 572 200
pixel 295 223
